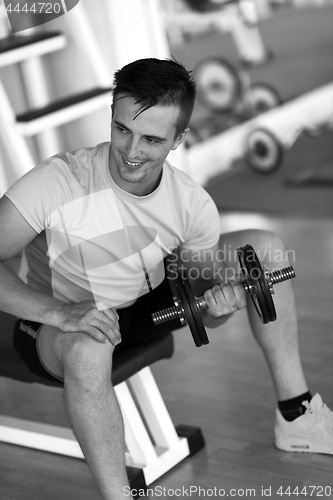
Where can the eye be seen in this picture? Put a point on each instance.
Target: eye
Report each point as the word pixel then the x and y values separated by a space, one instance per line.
pixel 122 129
pixel 151 140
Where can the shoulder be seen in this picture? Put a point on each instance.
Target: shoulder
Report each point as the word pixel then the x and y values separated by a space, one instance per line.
pixel 178 175
pixel 185 186
pixel 190 202
pixel 54 183
pixel 79 165
pixel 66 171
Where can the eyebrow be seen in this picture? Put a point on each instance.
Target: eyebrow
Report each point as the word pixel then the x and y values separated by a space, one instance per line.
pixel 154 137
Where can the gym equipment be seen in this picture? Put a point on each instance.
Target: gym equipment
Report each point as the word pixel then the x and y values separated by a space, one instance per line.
pixel 258 284
pixel 218 84
pixel 239 18
pixel 264 153
pixel 226 98
pixel 222 89
pixel 260 97
pixel 312 111
pixel 321 130
pixel 31 136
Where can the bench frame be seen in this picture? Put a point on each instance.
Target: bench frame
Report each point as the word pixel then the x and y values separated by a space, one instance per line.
pixel 154 445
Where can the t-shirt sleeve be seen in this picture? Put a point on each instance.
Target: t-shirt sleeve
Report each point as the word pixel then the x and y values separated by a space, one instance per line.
pixel 40 191
pixel 204 223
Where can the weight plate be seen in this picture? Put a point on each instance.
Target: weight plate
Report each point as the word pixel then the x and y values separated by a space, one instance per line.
pixel 264 285
pixel 261 97
pixel 264 153
pixel 191 309
pixel 255 275
pixel 256 296
pixel 218 84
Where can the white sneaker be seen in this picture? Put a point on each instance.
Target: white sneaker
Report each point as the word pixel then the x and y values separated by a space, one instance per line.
pixel 312 432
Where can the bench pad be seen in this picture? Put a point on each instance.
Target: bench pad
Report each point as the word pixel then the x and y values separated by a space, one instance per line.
pixel 125 364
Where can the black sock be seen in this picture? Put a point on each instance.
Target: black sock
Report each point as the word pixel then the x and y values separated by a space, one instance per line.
pixel 293 408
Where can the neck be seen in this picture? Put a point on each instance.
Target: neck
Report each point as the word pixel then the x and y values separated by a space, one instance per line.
pixel 137 188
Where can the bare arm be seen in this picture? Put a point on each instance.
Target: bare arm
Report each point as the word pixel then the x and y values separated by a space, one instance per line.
pixel 24 302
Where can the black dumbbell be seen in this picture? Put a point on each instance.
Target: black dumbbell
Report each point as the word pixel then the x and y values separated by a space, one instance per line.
pixel 258 283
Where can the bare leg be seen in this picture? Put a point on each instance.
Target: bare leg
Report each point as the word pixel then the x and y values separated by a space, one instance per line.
pixel 90 401
pixel 278 340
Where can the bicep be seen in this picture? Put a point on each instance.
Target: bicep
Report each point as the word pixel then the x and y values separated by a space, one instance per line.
pixel 16 233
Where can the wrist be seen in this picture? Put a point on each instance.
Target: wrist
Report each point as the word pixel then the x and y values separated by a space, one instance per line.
pixel 54 314
pixel 211 321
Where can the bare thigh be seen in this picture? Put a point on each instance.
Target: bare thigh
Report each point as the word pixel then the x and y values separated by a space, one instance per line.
pixel 265 243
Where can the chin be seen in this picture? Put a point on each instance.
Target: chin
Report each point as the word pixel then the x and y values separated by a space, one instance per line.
pixel 131 177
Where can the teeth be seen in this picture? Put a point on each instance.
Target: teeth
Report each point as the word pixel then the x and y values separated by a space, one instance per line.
pixel 132 164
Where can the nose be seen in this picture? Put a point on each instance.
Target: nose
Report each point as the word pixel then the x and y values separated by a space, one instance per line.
pixel 132 148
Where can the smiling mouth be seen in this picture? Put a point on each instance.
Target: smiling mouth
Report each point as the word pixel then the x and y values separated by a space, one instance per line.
pixel 132 163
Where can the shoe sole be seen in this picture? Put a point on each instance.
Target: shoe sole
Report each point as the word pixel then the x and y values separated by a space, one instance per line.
pixel 301 446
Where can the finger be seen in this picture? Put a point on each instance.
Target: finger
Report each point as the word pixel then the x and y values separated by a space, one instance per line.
pixel 111 314
pixel 225 300
pixel 113 338
pixel 228 293
pixel 96 334
pixel 237 288
pixel 105 320
pixel 213 294
pixel 224 295
pixel 239 293
pixel 217 293
pixel 100 337
pixel 216 302
pixel 112 333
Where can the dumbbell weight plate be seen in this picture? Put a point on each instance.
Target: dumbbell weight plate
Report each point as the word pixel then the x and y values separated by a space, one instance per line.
pixel 264 152
pixel 261 97
pixel 191 309
pixel 218 84
pixel 255 275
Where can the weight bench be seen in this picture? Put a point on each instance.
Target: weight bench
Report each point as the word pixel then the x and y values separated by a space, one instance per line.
pixel 153 444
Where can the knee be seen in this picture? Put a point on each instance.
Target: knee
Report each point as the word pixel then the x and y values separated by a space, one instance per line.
pixel 270 248
pixel 264 239
pixel 87 362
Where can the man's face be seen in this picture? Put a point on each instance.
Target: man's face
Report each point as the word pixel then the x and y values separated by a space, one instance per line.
pixel 140 144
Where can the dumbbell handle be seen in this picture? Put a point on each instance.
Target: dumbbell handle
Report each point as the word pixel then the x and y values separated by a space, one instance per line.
pixel 177 312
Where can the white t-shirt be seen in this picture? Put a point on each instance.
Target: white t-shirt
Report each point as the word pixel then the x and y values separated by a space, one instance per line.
pixel 97 241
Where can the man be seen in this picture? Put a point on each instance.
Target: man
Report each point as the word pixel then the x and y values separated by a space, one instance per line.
pixel 96 226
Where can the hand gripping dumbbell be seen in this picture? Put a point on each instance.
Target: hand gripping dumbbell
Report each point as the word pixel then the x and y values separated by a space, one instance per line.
pixel 258 283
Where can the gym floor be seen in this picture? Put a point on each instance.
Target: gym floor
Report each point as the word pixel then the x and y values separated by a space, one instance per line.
pixel 224 387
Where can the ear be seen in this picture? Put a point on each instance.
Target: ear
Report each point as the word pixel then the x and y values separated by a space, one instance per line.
pixel 180 139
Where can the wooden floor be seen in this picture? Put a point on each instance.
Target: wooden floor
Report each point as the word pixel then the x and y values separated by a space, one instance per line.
pixel 224 388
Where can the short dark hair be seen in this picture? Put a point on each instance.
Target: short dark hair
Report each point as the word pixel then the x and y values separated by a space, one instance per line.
pixel 158 82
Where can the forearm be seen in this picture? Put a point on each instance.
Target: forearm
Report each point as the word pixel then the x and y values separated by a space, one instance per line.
pixel 24 302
